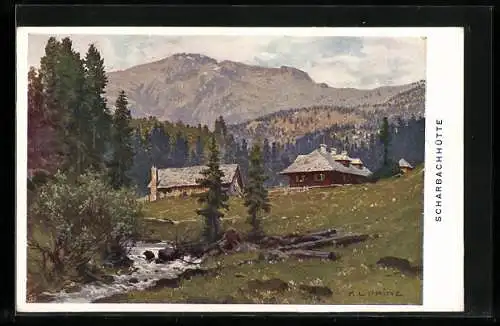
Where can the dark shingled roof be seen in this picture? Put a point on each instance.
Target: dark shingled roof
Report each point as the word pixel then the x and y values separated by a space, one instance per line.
pixel 185 177
pixel 321 160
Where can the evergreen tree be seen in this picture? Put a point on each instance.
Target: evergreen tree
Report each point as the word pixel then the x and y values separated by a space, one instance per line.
pixel 100 116
pixel 385 136
pixel 266 151
pixel 50 82
pixel 140 172
pixel 42 152
pixel 230 150
pixel 181 150
pixel 242 157
pixel 74 108
pixel 256 196
pixel 159 142
pixel 215 198
pixel 199 151
pixel 123 153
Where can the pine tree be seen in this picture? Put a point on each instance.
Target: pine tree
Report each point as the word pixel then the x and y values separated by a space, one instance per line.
pixel 215 198
pixel 123 153
pixel 256 195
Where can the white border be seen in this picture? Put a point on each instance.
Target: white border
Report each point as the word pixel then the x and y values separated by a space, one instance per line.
pixel 443 242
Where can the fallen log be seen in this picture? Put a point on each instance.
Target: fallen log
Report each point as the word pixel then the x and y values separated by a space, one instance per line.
pixel 336 240
pixel 305 238
pixel 324 233
pixel 290 239
pixel 312 254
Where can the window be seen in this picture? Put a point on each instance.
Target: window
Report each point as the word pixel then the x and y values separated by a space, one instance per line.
pixel 319 177
pixel 300 178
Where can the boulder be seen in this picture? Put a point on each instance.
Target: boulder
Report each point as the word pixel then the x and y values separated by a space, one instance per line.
pixel 119 262
pixel 149 255
pixel 274 284
pixel 401 264
pixel 316 290
pixel 189 273
pixel 168 254
pixel 107 279
pixel 150 240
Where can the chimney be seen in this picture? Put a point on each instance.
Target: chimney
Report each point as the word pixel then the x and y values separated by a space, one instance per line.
pixel 322 149
pixel 154 183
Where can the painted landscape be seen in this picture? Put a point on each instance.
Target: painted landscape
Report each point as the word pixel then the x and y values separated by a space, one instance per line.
pixel 225 170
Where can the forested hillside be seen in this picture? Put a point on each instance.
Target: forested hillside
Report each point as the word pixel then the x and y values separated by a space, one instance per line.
pixel 165 144
pixel 287 125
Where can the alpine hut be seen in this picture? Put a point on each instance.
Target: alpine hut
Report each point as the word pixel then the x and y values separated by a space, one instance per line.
pixel 326 168
pixel 183 181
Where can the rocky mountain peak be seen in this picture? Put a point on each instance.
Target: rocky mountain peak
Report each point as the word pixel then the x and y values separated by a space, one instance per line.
pixel 196 88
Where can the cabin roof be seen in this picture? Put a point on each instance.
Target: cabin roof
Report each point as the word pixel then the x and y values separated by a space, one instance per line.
pixel 320 161
pixel 356 161
pixel 404 164
pixel 187 176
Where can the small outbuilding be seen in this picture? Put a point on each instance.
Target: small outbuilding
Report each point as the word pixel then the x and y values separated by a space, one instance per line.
pixel 404 166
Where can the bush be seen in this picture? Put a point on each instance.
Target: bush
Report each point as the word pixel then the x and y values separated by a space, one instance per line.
pixel 78 220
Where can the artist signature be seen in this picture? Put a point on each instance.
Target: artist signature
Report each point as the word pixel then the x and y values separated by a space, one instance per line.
pixel 375 293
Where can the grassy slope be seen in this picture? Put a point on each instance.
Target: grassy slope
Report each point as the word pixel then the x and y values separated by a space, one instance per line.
pixel 392 208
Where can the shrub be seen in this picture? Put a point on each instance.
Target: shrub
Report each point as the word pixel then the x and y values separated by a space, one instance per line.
pixel 77 220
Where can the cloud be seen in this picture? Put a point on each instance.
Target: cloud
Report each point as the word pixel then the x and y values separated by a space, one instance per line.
pixel 359 62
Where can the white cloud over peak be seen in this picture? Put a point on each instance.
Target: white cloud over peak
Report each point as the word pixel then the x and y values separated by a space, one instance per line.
pixel 359 62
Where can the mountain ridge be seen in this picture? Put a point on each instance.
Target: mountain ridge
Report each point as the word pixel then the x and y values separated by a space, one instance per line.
pixel 195 88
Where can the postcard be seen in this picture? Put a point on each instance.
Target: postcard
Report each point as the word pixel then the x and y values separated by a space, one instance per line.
pixel 239 169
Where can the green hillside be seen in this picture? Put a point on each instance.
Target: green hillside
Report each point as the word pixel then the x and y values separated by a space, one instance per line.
pixel 390 209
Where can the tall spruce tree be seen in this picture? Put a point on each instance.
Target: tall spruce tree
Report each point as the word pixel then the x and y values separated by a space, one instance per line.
pixel 215 198
pixel 199 151
pixel 74 109
pixel 49 80
pixel 123 153
pixel 256 195
pixel 384 136
pixel 100 116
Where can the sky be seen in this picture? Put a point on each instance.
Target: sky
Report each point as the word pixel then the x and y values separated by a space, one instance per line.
pixel 358 62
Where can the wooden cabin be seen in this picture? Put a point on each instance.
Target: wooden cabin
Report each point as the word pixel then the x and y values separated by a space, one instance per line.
pixel 322 168
pixel 404 166
pixel 183 181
